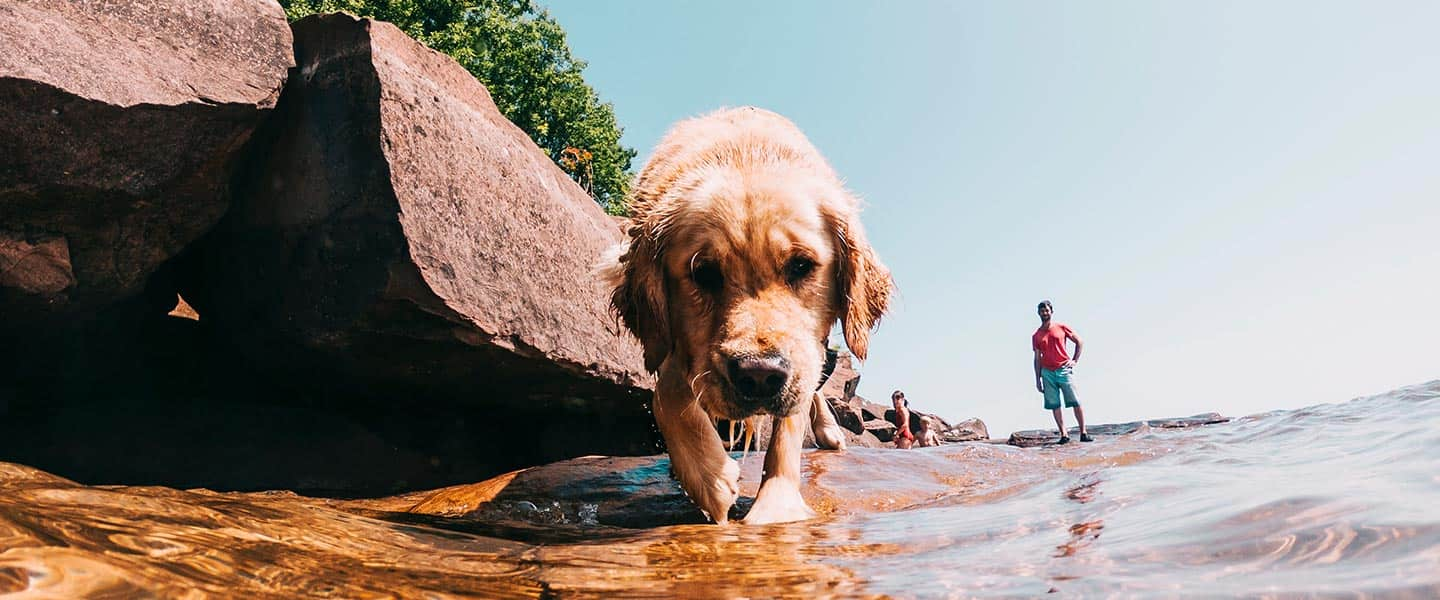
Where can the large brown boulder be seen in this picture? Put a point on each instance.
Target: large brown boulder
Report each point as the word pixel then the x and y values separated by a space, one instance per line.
pixel 119 121
pixel 966 431
pixel 839 392
pixel 397 237
pixel 847 415
pixel 870 410
pixel 864 439
pixel 843 380
pixel 882 430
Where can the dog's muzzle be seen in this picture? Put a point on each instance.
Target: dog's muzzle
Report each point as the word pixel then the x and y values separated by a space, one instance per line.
pixel 759 382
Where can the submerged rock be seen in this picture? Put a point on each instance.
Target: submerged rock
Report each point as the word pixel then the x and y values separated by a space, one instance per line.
pixel 627 491
pixel 638 492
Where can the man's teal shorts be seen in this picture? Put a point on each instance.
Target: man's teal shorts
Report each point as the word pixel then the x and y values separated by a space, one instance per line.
pixel 1057 382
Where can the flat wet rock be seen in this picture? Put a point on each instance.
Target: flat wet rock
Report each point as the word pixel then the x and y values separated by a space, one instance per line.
pixel 638 492
pixel 634 491
pixel 1040 437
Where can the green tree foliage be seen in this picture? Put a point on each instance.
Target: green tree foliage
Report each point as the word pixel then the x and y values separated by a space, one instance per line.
pixel 519 52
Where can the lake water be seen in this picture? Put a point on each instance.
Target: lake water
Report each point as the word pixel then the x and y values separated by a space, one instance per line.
pixel 1333 500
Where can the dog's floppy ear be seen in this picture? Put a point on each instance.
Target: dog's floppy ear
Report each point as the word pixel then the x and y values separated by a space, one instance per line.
pixel 639 297
pixel 863 284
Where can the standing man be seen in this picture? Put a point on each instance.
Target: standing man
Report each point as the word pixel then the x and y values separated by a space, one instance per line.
pixel 1054 368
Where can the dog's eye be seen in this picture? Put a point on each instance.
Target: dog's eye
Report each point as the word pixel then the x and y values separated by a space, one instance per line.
pixel 798 268
pixel 707 276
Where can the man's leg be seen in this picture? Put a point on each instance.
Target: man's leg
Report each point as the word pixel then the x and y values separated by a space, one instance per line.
pixel 1052 401
pixel 1068 390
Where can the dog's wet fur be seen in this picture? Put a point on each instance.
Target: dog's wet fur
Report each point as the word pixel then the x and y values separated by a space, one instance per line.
pixel 744 249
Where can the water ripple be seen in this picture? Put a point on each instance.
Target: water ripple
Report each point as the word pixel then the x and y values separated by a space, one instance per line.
pixel 1335 499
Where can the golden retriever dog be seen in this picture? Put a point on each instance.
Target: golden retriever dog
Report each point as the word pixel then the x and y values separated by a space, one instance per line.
pixel 744 249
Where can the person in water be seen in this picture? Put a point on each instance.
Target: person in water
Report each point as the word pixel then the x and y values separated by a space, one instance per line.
pixel 927 436
pixel 904 439
pixel 1055 369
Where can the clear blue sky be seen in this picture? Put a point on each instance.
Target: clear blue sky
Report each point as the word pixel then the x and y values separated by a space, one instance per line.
pixel 1235 204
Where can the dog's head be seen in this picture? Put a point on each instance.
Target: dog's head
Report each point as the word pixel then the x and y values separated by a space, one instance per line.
pixel 743 251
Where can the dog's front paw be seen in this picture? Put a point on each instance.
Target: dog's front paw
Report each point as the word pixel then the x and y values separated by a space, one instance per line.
pixel 829 437
pixel 716 491
pixel 827 431
pixel 778 501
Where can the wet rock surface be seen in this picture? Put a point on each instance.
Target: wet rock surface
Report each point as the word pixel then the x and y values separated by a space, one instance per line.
pixel 1041 437
pixel 639 492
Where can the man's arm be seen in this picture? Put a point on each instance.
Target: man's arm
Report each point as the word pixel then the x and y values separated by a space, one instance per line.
pixel 1039 384
pixel 1079 347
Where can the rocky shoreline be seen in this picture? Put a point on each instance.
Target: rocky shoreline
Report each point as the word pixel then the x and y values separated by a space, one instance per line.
pixel 389 282
pixel 241 254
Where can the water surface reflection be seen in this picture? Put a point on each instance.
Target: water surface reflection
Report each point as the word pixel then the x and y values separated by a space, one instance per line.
pixel 1288 503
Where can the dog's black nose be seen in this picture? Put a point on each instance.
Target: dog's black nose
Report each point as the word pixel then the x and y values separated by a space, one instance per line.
pixel 759 378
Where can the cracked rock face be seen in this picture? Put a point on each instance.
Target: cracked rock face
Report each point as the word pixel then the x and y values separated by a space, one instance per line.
pixel 118 122
pixel 394 231
pixel 40 267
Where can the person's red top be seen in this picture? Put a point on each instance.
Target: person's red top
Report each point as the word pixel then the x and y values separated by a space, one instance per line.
pixel 1050 341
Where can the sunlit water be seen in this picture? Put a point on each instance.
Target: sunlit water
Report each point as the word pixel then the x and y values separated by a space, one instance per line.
pixel 1334 500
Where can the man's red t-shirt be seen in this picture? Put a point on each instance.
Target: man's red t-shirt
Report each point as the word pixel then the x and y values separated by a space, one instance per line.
pixel 1050 341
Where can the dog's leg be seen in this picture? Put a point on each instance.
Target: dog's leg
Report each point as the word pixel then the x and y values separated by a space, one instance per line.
pixel 706 472
pixel 779 500
pixel 828 434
